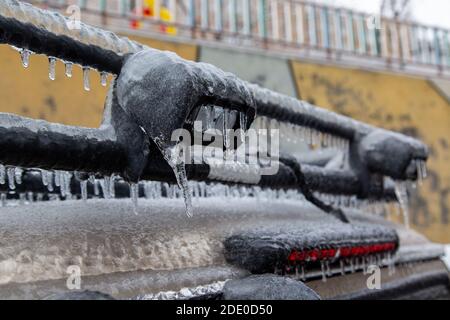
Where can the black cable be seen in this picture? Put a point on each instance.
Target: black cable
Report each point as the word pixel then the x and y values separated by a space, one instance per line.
pixel 305 189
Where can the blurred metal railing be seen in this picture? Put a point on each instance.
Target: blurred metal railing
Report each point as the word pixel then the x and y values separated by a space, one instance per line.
pixel 278 25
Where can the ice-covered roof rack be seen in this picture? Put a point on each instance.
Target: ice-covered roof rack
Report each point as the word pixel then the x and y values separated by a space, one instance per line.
pixel 153 94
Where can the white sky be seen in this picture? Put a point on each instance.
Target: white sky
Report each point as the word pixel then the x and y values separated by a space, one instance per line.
pixel 432 12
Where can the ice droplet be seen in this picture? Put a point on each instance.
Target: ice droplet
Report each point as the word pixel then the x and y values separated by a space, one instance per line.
pixel 2 174
pixel 423 165
pixel 30 197
pixel 18 175
pixel 322 269
pixel 44 176
pixel 11 173
pixel 174 157
pixel 86 81
pixel 421 171
pixel 4 199
pixel 243 125
pixel 210 117
pixel 103 78
pixel 22 198
pixel 342 266
pixel 226 132
pixel 52 68
pixel 83 187
pixel 25 57
pixel 69 69
pixel 58 178
pixel 180 173
pixel 402 196
pixel 50 181
pixel 112 186
pixel 134 195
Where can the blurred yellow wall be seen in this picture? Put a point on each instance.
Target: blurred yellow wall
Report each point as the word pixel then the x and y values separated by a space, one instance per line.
pixel 30 92
pixel 412 106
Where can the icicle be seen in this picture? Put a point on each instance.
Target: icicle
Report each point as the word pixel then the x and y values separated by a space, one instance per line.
pixel 83 187
pixel 68 66
pixel 363 265
pixel 391 264
pixel 63 190
pixel 243 125
pixel 52 68
pixel 67 179
pixel 3 199
pixel 210 117
pixel 58 178
pixel 147 190
pixel 11 173
pixel 106 187
pixel 174 157
pixel 134 195
pixel 30 197
pixel 327 264
pixel 86 81
pixel 402 197
pixel 96 189
pixel 104 78
pixel 419 172
pixel 50 181
pixel 180 173
pixel 22 198
pixel 324 274
pixel 44 177
pixel 352 265
pixel 303 275
pixel 25 57
pixel 18 175
pixel 423 169
pixel 225 132
pixel 2 174
pixel 112 186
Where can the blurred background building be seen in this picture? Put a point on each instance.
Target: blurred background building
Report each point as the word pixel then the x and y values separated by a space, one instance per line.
pixel 379 66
